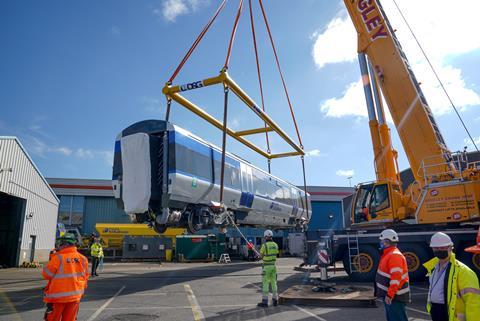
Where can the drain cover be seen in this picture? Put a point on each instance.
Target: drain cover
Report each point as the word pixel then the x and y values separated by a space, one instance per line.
pixel 133 316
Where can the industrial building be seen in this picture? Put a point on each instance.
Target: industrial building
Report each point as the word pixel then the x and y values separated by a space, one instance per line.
pixel 86 202
pixel 28 207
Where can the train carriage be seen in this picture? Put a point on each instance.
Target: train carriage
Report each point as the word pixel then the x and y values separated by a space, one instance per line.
pixel 165 175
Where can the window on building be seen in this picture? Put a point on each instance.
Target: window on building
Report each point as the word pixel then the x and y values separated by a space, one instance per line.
pixel 71 209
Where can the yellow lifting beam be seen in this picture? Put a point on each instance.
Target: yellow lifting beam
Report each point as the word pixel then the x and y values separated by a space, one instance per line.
pixel 260 130
pixel 174 93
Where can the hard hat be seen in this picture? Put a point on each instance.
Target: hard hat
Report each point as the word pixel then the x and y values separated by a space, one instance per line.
pixel 389 234
pixel 67 238
pixel 268 233
pixel 440 239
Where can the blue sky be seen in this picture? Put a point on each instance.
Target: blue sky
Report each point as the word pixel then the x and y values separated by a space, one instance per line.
pixel 73 75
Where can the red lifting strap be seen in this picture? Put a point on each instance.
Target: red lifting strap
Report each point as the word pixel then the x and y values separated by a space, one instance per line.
pixel 258 69
pixel 232 36
pixel 281 74
pixel 197 41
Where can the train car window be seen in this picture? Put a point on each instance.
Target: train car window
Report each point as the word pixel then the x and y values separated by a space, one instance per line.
pixel 190 162
pixel 232 171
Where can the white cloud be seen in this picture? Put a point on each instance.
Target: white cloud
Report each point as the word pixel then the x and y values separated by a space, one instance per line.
pixel 63 150
pixel 115 30
pixel 313 153
pixel 171 9
pixel 345 172
pixel 468 142
pixel 329 46
pixel 151 104
pixel 84 153
pixel 440 40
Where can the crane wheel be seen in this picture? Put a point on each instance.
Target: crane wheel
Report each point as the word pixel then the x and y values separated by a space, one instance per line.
pixel 415 255
pixel 364 265
pixel 472 260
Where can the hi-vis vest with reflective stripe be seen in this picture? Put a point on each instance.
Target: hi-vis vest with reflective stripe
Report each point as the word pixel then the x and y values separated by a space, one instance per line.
pixel 67 275
pixel 462 292
pixel 269 251
pixel 96 250
pixel 392 276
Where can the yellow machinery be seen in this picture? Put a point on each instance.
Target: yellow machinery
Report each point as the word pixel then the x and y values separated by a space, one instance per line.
pixel 112 234
pixel 446 187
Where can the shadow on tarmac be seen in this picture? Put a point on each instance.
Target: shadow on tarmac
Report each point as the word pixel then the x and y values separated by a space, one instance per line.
pixel 108 286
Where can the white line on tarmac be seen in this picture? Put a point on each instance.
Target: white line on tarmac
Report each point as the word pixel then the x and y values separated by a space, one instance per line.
pixel 106 304
pixel 313 315
pixel 197 312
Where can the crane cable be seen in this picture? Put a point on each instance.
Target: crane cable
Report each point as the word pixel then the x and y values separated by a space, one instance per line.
pixel 197 41
pixel 254 38
pixel 288 100
pixel 436 75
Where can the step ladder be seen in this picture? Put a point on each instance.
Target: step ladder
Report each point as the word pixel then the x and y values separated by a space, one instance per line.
pixel 353 251
pixel 224 258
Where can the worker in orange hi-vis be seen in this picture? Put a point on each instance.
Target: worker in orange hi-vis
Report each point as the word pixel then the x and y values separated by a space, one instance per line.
pixel 67 275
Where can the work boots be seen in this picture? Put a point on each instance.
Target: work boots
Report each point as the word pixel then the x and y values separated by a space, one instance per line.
pixel 263 304
pixel 275 302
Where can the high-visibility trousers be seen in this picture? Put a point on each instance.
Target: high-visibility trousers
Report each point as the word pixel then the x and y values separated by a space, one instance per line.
pixel 269 277
pixel 62 311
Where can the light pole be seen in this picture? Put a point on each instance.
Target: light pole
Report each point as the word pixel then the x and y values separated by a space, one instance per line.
pixel 349 181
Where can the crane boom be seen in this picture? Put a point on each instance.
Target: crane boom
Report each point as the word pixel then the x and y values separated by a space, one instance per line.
pixel 413 118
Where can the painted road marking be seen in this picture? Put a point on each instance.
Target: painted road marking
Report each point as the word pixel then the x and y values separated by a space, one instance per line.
pixel 106 304
pixel 197 312
pixel 217 306
pixel 313 315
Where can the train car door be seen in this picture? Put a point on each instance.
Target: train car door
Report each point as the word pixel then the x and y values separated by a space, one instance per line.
pixel 246 199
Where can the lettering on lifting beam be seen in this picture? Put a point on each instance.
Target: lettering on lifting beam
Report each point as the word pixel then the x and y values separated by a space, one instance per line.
pixel 192 85
pixel 372 19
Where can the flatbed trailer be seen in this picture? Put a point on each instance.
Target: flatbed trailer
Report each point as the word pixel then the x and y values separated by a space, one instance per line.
pixel 357 248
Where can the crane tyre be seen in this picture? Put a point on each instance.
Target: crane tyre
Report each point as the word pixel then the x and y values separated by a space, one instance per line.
pixel 415 255
pixel 471 260
pixel 367 261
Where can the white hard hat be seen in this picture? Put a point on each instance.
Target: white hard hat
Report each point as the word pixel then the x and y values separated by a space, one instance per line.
pixel 389 235
pixel 440 239
pixel 268 233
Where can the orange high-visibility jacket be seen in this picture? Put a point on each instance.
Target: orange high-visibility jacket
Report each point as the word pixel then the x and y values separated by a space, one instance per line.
pixel 67 275
pixel 392 276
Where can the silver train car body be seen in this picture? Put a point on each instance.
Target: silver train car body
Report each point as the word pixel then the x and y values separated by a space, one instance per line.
pixel 169 177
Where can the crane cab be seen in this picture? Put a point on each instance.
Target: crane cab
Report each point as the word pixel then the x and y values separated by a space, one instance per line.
pixel 378 202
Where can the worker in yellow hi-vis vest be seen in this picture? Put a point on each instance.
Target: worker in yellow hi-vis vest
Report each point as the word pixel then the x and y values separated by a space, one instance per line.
pixel 269 251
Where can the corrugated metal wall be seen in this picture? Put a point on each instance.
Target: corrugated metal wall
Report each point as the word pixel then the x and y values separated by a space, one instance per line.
pixel 25 181
pixel 101 210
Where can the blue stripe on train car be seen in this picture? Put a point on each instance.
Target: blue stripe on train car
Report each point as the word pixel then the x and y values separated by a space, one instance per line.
pixel 246 199
pixel 190 143
pixel 118 147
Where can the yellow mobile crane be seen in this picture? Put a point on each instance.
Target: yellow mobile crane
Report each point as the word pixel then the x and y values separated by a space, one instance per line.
pixel 446 188
pixel 445 193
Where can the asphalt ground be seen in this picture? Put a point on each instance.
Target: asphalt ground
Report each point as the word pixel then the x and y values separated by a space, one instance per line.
pixel 183 292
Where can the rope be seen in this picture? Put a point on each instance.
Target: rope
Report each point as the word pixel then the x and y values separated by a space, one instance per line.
pixel 232 36
pixel 281 74
pixel 232 221
pixel 197 41
pixel 259 78
pixel 224 142
pixel 436 75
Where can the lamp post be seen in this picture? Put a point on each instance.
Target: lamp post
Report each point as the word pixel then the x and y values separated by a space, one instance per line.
pixel 349 181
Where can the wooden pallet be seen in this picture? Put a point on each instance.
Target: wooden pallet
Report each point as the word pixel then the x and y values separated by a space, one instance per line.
pixel 361 296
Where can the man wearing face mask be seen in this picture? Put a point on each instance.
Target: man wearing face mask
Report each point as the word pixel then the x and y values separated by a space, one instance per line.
pixel 454 293
pixel 391 281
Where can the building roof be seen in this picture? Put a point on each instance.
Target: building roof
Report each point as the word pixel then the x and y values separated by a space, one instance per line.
pixel 31 162
pixel 329 193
